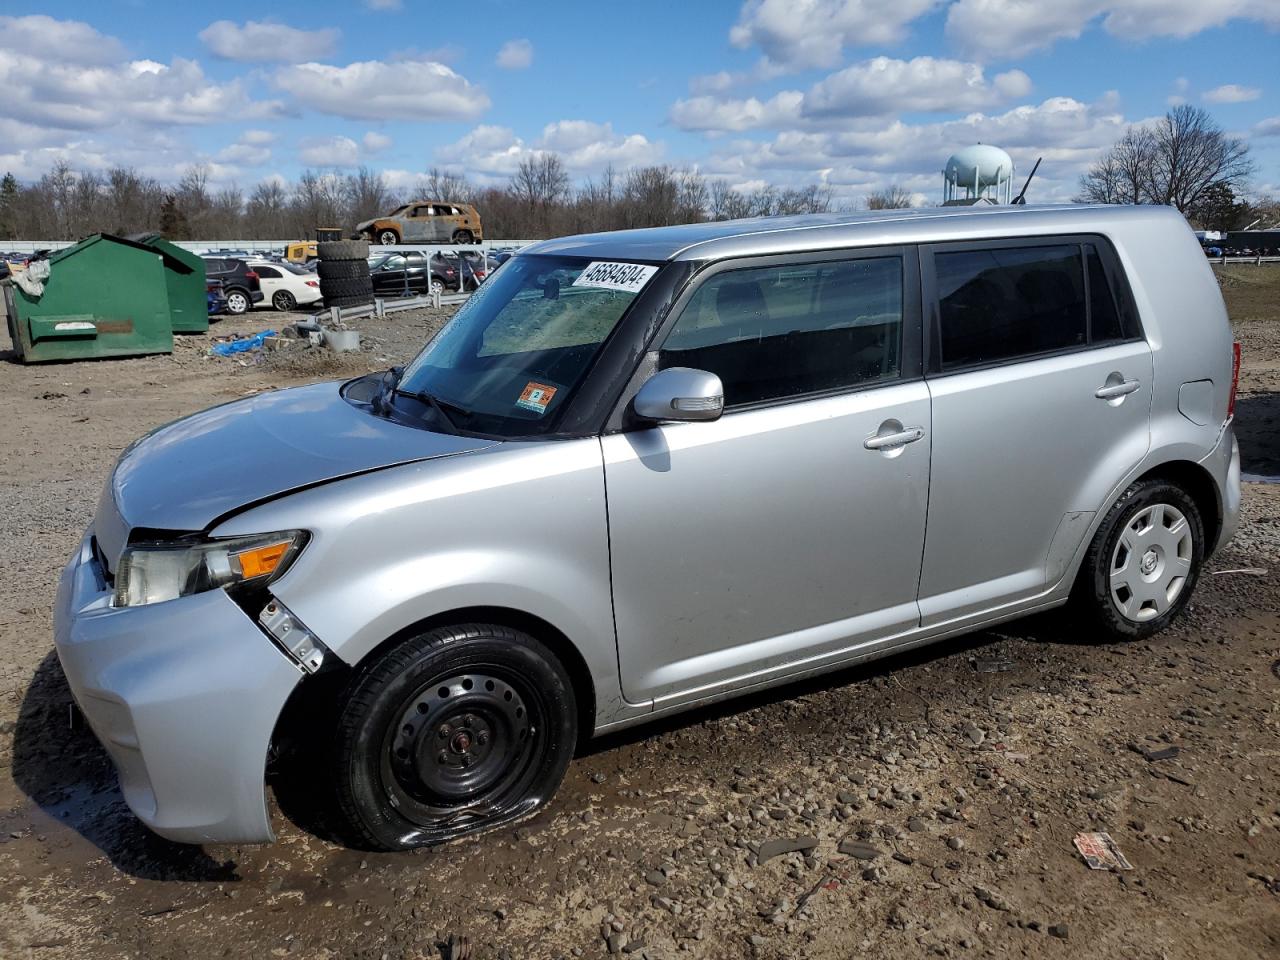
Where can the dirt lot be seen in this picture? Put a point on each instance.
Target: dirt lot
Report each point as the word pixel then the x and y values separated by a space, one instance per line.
pixel 965 770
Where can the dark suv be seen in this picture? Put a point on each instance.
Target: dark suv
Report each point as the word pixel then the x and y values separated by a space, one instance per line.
pixel 404 274
pixel 239 284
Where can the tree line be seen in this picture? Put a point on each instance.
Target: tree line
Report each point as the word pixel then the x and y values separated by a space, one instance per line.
pixel 540 200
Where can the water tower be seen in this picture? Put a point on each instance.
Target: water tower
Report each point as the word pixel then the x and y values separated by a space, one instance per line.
pixel 977 174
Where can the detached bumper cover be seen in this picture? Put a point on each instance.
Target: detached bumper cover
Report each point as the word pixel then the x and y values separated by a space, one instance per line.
pixel 184 695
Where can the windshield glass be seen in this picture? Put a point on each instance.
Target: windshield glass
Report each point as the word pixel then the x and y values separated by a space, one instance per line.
pixel 509 360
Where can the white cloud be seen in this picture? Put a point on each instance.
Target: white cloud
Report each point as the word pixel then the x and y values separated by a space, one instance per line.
pixel 251 149
pixel 333 151
pixel 265 42
pixel 922 85
pixel 69 95
pixel 812 33
pixel 878 87
pixel 41 37
pixel 515 55
pixel 1009 29
pixel 374 142
pixel 1269 127
pixel 491 153
pixel 1232 93
pixel 375 90
pixel 869 153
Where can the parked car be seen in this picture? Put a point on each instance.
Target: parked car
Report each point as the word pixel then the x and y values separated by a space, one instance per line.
pixel 285 286
pixel 216 299
pixel 824 442
pixel 240 285
pixel 425 221
pixel 406 274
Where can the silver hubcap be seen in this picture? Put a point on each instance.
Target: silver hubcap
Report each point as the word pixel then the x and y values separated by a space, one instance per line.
pixel 1151 562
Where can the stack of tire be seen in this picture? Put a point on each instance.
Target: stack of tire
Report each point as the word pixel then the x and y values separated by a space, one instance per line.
pixel 344 273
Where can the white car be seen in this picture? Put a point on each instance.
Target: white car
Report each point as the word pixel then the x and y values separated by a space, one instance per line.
pixel 284 285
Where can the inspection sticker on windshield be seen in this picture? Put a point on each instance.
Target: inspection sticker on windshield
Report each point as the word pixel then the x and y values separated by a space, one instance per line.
pixel 628 277
pixel 536 397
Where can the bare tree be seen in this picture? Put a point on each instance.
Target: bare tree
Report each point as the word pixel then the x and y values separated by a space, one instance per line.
pixel 367 195
pixel 442 185
pixel 892 197
pixel 1173 161
pixel 1191 154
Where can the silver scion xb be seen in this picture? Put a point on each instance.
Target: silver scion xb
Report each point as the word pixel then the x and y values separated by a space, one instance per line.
pixel 642 471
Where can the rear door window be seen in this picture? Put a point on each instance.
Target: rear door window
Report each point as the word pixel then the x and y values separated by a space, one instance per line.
pixel 267 273
pixel 776 332
pixel 998 304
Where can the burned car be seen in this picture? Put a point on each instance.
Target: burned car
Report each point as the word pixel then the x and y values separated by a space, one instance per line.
pixel 425 221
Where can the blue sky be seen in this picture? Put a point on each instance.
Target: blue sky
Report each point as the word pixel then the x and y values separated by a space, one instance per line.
pixel 856 94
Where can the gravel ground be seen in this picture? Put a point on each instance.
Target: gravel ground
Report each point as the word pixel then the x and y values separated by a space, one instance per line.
pixel 921 805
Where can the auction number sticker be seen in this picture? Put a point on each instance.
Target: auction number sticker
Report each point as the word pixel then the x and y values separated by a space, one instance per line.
pixel 536 397
pixel 627 277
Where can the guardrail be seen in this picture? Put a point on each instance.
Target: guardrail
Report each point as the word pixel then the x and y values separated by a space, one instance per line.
pixel 381 306
pixel 1258 260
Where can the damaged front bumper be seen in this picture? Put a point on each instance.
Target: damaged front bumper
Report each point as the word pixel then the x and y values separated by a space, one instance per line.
pixel 184 696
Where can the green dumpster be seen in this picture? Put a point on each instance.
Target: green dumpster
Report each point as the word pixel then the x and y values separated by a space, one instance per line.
pixel 104 297
pixel 185 278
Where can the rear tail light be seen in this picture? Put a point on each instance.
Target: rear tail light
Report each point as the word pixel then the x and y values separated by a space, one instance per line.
pixel 250 275
pixel 312 283
pixel 1235 379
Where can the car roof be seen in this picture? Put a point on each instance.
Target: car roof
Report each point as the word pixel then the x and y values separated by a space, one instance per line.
pixel 764 235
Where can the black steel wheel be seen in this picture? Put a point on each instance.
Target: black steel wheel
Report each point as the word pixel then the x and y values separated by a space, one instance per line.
pixel 456 730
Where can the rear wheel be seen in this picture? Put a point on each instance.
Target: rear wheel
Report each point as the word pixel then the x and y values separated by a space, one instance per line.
pixel 1144 561
pixel 238 302
pixel 456 730
pixel 283 300
pixel 464 236
pixel 437 286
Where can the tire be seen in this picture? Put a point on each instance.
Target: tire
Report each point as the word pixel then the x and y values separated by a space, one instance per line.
pixel 437 286
pixel 345 302
pixel 284 301
pixel 456 730
pixel 343 269
pixel 387 238
pixel 1152 541
pixel 343 250
pixel 238 302
pixel 464 236
pixel 360 287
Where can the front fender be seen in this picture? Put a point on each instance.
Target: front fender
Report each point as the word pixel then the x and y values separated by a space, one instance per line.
pixel 521 525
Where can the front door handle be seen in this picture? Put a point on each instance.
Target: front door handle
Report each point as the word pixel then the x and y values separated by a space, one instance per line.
pixel 889 441
pixel 1114 391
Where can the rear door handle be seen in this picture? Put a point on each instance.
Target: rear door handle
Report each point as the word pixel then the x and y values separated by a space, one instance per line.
pixel 1113 391
pixel 888 441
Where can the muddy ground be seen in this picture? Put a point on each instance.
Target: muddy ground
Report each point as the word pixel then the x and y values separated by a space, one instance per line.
pixel 965 770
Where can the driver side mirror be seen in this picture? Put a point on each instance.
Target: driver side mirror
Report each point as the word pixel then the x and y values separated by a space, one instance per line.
pixel 680 394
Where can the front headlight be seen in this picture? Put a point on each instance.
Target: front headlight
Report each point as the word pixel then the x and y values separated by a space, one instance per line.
pixel 153 572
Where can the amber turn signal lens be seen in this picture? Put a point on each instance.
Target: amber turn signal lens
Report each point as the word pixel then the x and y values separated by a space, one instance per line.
pixel 260 561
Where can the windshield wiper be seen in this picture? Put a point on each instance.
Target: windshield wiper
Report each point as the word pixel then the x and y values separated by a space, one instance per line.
pixel 441 407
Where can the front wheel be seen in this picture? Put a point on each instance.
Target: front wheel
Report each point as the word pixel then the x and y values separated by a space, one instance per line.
pixel 1144 561
pixel 388 238
pixel 456 730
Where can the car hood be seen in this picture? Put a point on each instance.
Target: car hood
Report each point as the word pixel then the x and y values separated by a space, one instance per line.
pixel 365 225
pixel 189 473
